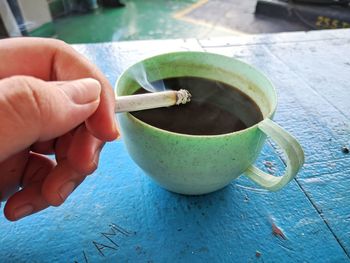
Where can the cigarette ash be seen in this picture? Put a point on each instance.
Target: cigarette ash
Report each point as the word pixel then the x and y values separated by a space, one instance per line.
pixel 183 96
pixel 139 73
pixel 141 77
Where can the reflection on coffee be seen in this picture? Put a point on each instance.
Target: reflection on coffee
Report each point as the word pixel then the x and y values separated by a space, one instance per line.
pixel 215 108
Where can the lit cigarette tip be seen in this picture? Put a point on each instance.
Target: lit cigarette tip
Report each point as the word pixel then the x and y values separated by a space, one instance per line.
pixel 183 96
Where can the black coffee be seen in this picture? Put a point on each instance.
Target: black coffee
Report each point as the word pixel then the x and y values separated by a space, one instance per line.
pixel 215 108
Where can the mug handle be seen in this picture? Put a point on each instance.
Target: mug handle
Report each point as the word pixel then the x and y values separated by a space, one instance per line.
pixel 293 151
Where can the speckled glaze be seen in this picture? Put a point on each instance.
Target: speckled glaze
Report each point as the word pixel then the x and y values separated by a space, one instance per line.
pixel 195 165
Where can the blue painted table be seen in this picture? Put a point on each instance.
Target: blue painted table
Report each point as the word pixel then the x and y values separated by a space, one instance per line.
pixel 119 215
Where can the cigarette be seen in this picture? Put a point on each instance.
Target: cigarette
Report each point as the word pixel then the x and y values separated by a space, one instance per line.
pixel 151 100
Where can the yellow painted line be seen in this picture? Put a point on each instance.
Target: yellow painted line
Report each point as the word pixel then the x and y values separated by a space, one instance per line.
pixel 204 23
pixel 190 8
pixel 181 16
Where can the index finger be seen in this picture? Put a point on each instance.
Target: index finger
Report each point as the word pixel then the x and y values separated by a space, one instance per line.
pixel 54 60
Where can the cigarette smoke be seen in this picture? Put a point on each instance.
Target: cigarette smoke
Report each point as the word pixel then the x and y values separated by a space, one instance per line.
pixel 142 79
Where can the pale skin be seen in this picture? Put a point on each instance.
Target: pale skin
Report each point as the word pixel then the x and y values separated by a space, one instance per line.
pixel 52 101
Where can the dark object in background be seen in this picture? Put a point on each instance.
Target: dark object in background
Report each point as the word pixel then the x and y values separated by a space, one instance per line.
pixel 16 11
pixel 80 6
pixel 3 31
pixel 315 14
pixel 112 3
pixel 323 2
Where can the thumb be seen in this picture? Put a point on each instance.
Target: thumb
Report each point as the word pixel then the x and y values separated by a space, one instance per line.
pixel 33 110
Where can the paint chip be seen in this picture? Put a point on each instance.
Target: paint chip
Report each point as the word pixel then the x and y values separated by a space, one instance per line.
pixel 278 232
pixel 268 164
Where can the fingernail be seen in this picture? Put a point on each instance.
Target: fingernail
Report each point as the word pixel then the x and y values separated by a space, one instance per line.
pixel 66 189
pixel 22 211
pixel 82 91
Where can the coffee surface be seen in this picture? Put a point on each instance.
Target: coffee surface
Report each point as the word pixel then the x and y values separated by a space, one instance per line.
pixel 215 108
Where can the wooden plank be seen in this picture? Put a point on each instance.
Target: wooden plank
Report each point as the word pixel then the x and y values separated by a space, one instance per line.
pixel 290 37
pixel 313 102
pixel 119 214
pixel 327 185
pixel 315 119
pixel 327 73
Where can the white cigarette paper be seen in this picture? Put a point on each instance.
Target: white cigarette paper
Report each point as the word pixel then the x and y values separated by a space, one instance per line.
pixel 151 100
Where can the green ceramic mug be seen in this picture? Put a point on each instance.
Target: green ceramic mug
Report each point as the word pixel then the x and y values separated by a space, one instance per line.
pixel 191 164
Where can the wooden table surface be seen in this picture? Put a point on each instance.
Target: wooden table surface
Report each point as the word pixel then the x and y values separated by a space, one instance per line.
pixel 120 215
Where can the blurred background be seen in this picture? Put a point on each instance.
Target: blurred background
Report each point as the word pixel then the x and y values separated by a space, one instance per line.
pixel 92 21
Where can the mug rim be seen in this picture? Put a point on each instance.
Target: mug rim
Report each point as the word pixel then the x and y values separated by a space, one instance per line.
pixel 129 115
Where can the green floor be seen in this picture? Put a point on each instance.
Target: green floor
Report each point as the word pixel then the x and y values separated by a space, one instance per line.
pixel 140 19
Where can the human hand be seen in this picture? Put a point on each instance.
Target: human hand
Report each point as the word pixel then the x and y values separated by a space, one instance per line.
pixel 52 101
